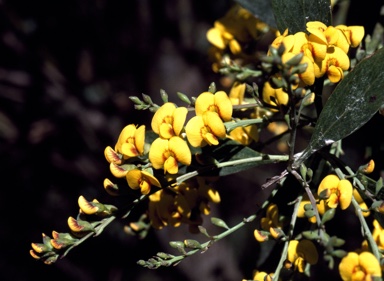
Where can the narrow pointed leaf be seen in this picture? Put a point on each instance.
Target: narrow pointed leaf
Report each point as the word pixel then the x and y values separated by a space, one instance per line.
pixel 352 104
pixel 294 14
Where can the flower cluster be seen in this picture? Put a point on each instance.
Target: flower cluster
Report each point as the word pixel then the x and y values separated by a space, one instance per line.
pixel 324 51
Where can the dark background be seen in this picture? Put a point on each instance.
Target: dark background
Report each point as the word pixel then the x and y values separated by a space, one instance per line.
pixel 67 69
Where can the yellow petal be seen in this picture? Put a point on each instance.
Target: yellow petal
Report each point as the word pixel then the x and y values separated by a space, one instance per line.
pixel 156 152
pixel 149 177
pixel 171 165
pixel 348 265
pixel 213 121
pixel 329 182
pixel 180 150
pixel 179 116
pixel 205 102
pixel 292 246
pixel 194 129
pixel 317 28
pixel 215 38
pixel 346 191
pixel 112 156
pixel 129 149
pixel 370 264
pixel 335 74
pixel 140 139
pixel 163 115
pixel 134 178
pixel 117 171
pixel 223 105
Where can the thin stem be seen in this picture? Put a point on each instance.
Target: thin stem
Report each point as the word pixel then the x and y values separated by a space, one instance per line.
pixel 264 159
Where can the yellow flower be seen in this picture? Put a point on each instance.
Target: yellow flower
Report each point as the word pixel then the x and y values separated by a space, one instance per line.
pixel 378 235
pixel 205 129
pixel 218 102
pixel 287 40
pixel 353 34
pixel 262 276
pixel 168 121
pixel 363 266
pixel 300 253
pixel 274 97
pixel 131 141
pixel 338 191
pixel 141 179
pixel 361 202
pixel 247 134
pixel 334 64
pixel 167 153
pixel 272 218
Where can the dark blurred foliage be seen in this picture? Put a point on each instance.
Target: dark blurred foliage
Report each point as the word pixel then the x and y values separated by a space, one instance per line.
pixel 67 69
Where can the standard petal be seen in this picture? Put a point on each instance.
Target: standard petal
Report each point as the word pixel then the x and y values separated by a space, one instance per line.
pixel 194 130
pixel 156 152
pixel 134 178
pixel 163 115
pixel 213 121
pixel 180 150
pixel 346 191
pixel 140 139
pixel 179 117
pixel 204 102
pixel 223 105
pixel 370 264
pixel 329 182
pixel 348 265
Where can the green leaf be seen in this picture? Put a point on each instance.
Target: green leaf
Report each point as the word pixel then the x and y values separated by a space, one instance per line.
pixel 294 14
pixel 352 104
pixel 261 9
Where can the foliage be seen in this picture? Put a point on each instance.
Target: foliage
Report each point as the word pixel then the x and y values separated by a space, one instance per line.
pixel 315 79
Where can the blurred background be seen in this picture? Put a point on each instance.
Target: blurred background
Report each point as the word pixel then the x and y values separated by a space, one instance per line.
pixel 67 69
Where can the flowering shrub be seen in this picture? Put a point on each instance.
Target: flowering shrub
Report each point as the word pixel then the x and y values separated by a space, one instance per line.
pixel 191 143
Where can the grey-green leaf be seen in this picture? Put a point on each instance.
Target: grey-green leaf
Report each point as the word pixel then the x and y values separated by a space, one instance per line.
pixel 294 14
pixel 352 104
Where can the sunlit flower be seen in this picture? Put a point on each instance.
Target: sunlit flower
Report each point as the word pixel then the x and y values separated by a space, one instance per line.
pixel 353 34
pixel 167 154
pixel 274 97
pixel 218 102
pixel 131 141
pixel 168 121
pixel 271 218
pixel 337 191
pixel 142 179
pixel 205 129
pixel 300 253
pixel 334 65
pixel 363 266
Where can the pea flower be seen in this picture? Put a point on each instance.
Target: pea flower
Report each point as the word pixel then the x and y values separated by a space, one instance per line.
pixel 131 141
pixel 218 102
pixel 378 234
pixel 167 153
pixel 205 129
pixel 274 97
pixel 300 253
pixel 353 34
pixel 142 179
pixel 363 266
pixel 237 27
pixel 334 64
pixel 168 121
pixel 272 218
pixel 338 191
